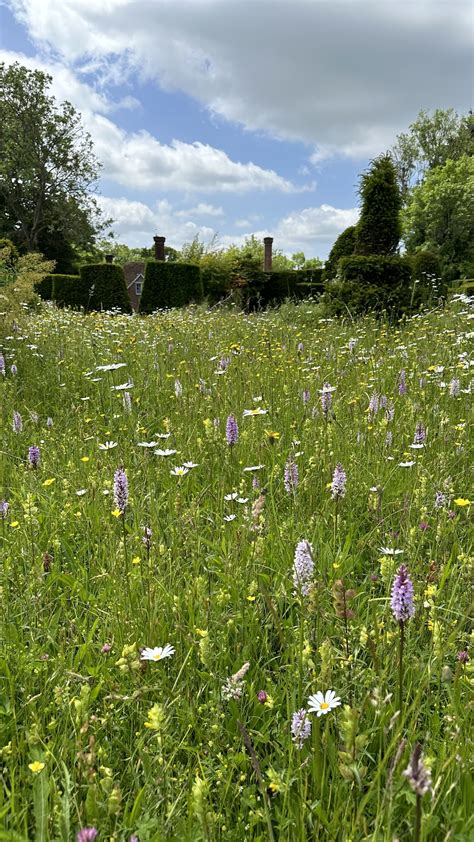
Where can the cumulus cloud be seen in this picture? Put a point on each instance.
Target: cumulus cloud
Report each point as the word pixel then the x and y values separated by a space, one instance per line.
pixel 341 75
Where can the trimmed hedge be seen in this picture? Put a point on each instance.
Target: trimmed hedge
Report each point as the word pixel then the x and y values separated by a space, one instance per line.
pixel 371 284
pixel 343 247
pixel 292 283
pixel 216 282
pixel 170 285
pixel 44 288
pixel 105 287
pixel 68 291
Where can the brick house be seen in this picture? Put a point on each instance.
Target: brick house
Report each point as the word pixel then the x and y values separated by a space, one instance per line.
pixel 134 277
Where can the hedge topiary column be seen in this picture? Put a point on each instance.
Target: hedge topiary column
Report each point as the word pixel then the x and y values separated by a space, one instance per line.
pixel 105 283
pixel 170 285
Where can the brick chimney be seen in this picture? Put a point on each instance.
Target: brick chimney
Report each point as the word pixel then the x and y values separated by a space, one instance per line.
pixel 109 258
pixel 267 262
pixel 159 247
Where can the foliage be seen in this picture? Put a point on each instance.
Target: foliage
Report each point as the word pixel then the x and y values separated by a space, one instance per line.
pixel 105 284
pixel 427 275
pixel 44 288
pixel 378 230
pixel 90 734
pixel 440 216
pixel 9 252
pixel 375 284
pixel 170 285
pixel 47 166
pixel 432 139
pixel 70 291
pixel 18 283
pixel 343 247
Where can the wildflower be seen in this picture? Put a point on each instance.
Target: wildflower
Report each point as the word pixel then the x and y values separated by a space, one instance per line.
pixel 402 596
pixel 303 567
pixel 147 444
pixel 454 388
pixel 127 401
pixel 461 501
pixel 389 439
pixel 146 539
pixel 462 657
pixel 262 697
pixel 254 468
pixel 300 727
pixel 156 717
pixel 111 367
pixel 408 464
pixel 272 436
pixel 179 471
pixel 291 477
pixel 390 412
pixel 157 653
pixel 418 775
pixel 338 485
pixel 36 767
pixel 168 451
pixel 14 370
pixel 373 405
pixel 87 834
pixel 305 396
pixel 247 413
pixel 109 445
pixel 2 365
pixel 326 399
pixel 231 431
pixel 17 422
pixel 120 490
pixel 4 506
pixel 440 500
pixel 424 525
pixel 34 456
pixel 229 518
pixel 233 688
pixel 420 434
pixel 49 422
pixel 106 648
pixel 320 703
pixel 190 465
pixel 402 386
pixel 178 389
pixel 389 551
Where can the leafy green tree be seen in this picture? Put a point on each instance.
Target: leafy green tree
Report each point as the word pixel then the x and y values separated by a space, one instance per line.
pixel 343 247
pixel 47 167
pixel 440 216
pixel 378 230
pixel 431 140
pixel 299 261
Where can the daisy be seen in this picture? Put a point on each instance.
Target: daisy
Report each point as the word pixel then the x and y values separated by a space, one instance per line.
pixel 163 435
pixel 251 412
pixel 190 465
pixel 179 471
pixel 254 468
pixel 167 452
pixel 122 387
pixel 406 464
pixel 322 703
pixel 147 443
pixel 228 518
pixel 389 551
pixel 112 367
pixel 157 653
pixel 232 496
pixel 109 445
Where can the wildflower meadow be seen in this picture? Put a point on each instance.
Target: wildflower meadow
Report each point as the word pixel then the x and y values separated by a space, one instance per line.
pixel 236 562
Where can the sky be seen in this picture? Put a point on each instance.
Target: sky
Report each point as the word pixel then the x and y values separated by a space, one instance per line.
pixel 226 118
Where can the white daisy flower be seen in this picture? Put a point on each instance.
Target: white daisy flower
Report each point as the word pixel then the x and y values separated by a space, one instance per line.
pixel 109 445
pixel 322 703
pixel 417 446
pixel 190 465
pixel 157 653
pixel 163 435
pixel 232 496
pixel 228 518
pixel 389 551
pixel 111 367
pixel 254 468
pixel 179 471
pixel 147 443
pixel 251 412
pixel 81 492
pixel 167 452
pixel 406 464
pixel 123 386
pixel 242 499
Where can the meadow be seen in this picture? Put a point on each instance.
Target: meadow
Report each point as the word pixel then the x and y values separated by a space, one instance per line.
pixel 203 520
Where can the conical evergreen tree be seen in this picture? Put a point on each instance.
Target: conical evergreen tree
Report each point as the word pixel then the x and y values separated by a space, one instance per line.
pixel 379 229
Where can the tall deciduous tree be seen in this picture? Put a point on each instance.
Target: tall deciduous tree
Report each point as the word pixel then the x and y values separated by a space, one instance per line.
pixel 431 140
pixel 47 166
pixel 440 216
pixel 378 230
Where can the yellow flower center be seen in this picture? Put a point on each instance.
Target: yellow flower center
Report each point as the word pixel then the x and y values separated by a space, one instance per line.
pixel 157 656
pixel 324 705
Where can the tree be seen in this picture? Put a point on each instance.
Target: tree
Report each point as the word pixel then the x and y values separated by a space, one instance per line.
pixel 343 247
pixel 440 216
pixel 430 142
pixel 47 167
pixel 378 230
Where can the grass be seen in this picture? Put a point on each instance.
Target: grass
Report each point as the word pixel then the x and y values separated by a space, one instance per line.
pixel 93 736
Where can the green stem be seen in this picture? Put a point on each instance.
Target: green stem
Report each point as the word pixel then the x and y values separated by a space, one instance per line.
pixel 400 667
pixel 417 833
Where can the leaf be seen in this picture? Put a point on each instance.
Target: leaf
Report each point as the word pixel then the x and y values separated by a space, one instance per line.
pixel 40 805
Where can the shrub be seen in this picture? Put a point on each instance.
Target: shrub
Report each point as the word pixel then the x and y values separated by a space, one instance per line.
pixel 343 247
pixel 216 282
pixel 370 284
pixel 9 252
pixel 248 282
pixel 291 283
pixel 427 276
pixel 105 286
pixel 379 228
pixel 69 291
pixel 170 285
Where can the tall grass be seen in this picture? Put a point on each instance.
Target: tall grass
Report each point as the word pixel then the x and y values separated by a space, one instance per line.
pixel 93 736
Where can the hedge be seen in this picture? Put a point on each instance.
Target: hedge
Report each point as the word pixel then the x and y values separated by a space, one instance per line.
pixel 371 284
pixel 44 288
pixel 427 276
pixel 216 282
pixel 105 286
pixel 68 291
pixel 170 285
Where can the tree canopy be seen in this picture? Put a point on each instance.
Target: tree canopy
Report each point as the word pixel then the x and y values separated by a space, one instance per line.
pixel 378 230
pixel 48 170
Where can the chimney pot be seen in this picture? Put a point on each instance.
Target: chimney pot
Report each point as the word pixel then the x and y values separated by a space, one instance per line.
pixel 159 247
pixel 267 263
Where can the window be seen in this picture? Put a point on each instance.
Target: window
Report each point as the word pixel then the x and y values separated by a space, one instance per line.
pixel 138 287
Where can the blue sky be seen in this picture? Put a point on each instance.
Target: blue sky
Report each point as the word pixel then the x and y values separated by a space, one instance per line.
pixel 234 117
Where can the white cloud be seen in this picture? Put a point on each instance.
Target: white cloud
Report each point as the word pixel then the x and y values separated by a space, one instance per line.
pixel 342 75
pixel 201 209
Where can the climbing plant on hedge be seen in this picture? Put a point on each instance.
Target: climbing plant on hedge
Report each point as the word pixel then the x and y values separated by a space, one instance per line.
pixel 170 285
pixel 106 288
pixel 379 228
